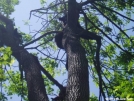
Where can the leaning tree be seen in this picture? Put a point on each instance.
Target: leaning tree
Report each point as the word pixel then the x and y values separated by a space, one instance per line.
pixel 94 37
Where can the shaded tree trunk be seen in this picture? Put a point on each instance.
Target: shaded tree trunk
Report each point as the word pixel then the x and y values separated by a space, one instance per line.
pixel 78 78
pixel 35 83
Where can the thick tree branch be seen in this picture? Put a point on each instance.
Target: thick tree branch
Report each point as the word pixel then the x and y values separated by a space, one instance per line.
pixel 48 75
pixel 73 14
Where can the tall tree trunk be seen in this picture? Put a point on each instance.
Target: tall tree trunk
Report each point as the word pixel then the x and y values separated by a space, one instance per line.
pixel 35 83
pixel 78 79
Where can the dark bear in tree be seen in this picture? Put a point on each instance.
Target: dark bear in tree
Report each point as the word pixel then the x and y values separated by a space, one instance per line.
pixel 58 40
pixel 64 20
pixel 17 36
pixel 58 36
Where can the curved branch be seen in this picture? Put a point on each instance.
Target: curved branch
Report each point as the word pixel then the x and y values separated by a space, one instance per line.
pixel 106 35
pixel 88 1
pixel 46 8
pixel 111 22
pixel 114 11
pixel 41 37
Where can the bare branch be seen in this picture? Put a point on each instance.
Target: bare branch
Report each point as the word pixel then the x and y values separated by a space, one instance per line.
pixel 112 22
pixel 114 11
pixel 41 37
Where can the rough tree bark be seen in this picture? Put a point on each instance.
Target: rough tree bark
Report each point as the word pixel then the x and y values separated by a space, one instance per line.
pixel 35 83
pixel 78 79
